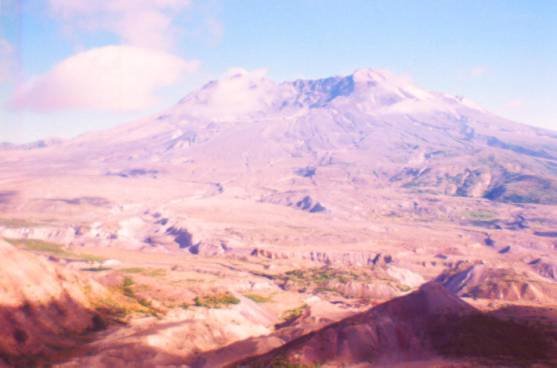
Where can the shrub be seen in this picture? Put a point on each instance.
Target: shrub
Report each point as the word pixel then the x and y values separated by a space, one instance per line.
pixel 216 300
pixel 152 272
pixel 127 284
pixel 258 298
pixel 294 313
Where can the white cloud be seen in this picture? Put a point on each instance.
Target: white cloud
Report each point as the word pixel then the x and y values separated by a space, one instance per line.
pixel 113 78
pixel 144 23
pixel 240 91
pixel 237 93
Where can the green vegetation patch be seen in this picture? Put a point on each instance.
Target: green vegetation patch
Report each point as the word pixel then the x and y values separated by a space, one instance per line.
pixel 345 282
pixel 480 215
pixel 282 362
pixel 41 246
pixel 258 298
pixel 322 275
pixel 88 257
pixel 15 223
pixel 151 272
pixel 127 287
pixel 322 279
pixel 54 249
pixel 114 308
pixel 294 313
pixel 216 300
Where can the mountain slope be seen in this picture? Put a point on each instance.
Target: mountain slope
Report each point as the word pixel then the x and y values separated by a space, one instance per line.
pixel 369 124
pixel 427 326
pixel 303 188
pixel 44 309
pixel 265 157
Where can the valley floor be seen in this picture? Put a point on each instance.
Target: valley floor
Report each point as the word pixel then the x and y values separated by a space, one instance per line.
pixel 111 307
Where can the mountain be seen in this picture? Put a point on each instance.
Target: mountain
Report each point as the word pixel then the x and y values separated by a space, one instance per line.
pixel 367 147
pixel 254 214
pixel 369 126
pixel 42 143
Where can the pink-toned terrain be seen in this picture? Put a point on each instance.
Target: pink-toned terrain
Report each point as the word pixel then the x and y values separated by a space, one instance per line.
pixel 349 221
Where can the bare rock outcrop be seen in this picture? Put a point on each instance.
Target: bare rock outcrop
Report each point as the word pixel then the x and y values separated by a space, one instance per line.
pixel 43 309
pixel 485 282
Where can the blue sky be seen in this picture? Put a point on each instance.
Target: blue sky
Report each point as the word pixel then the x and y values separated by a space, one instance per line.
pixel 501 54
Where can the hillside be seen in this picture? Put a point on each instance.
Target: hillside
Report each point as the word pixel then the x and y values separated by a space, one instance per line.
pixel 244 220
